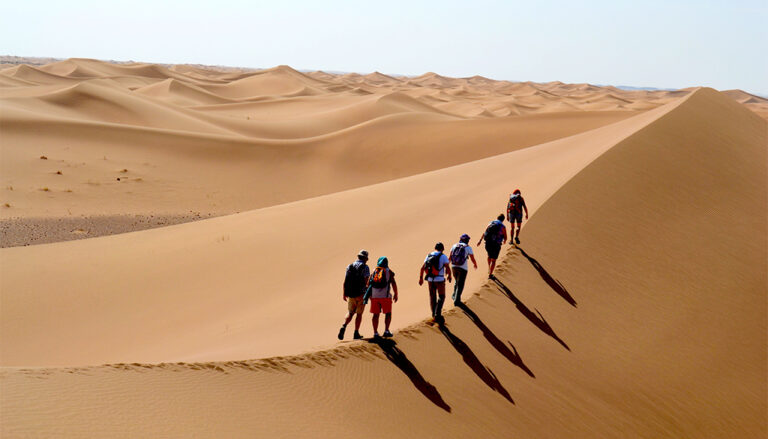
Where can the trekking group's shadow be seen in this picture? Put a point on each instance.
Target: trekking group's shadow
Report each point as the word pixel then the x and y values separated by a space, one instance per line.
pixel 499 345
pixel 537 319
pixel 474 363
pixel 398 358
pixel 552 282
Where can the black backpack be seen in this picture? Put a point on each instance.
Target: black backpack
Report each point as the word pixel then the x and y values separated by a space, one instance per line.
pixel 492 232
pixel 432 264
pixel 354 282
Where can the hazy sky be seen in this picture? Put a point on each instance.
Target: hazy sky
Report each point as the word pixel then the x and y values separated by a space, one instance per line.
pixel 721 44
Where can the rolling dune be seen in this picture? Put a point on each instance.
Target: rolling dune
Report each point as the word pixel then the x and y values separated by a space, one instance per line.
pixel 605 322
pixel 632 308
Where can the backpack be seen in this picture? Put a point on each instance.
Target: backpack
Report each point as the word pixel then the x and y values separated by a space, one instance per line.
pixel 515 204
pixel 432 264
pixel 459 254
pixel 493 232
pixel 354 281
pixel 379 278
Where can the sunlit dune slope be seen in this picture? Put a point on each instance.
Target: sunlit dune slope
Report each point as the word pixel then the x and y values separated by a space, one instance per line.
pixel 217 289
pixel 86 138
pixel 630 310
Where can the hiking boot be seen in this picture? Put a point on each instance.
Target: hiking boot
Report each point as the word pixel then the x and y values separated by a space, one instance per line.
pixel 517 240
pixel 341 332
pixel 387 334
pixel 358 336
pixel 376 335
pixel 439 320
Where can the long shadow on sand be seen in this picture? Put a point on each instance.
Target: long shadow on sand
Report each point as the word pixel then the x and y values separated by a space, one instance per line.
pixel 474 363
pixel 499 345
pixel 398 358
pixel 552 282
pixel 537 319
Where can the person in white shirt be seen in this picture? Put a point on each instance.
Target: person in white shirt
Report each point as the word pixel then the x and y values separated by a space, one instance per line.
pixel 461 253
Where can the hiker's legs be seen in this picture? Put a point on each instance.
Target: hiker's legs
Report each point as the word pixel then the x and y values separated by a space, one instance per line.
pixel 358 320
pixel 491 265
pixel 440 286
pixel 387 320
pixel 348 318
pixel 460 276
pixel 432 298
pixel 375 322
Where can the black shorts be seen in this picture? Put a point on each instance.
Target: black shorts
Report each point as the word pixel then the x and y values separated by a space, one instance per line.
pixel 516 217
pixel 493 249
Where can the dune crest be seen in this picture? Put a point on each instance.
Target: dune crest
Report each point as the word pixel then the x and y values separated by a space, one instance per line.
pixel 569 314
pixel 632 308
pixel 204 135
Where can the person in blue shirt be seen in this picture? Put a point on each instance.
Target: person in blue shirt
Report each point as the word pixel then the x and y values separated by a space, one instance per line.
pixel 436 267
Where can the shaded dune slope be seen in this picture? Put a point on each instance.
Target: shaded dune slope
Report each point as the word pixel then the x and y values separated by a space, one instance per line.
pixel 620 316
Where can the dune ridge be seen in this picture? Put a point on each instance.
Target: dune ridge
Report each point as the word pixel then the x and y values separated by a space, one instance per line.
pixel 542 168
pixel 143 139
pixel 559 345
pixel 631 308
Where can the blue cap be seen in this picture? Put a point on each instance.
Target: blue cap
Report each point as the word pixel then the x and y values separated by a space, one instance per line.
pixel 383 262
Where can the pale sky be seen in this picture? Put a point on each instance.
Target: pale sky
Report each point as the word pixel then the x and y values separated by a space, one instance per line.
pixel 666 44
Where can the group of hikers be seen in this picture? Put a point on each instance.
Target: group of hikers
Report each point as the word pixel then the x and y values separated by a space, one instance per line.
pixel 380 287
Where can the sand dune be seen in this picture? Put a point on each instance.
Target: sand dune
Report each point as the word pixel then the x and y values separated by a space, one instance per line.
pixel 280 229
pixel 607 331
pixel 636 281
pixel 203 142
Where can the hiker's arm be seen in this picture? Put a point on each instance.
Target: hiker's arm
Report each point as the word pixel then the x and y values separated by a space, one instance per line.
pixel 447 272
pixel 509 209
pixel 481 240
pixel 394 288
pixel 421 275
pixel 526 209
pixel 344 289
pixel 367 295
pixel 472 256
pixel 504 229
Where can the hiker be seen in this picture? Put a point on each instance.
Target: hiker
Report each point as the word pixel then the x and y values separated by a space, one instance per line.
pixel 436 267
pixel 495 235
pixel 379 293
pixel 515 215
pixel 355 283
pixel 460 253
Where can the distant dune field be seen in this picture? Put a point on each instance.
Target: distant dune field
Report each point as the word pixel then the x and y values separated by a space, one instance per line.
pixel 634 306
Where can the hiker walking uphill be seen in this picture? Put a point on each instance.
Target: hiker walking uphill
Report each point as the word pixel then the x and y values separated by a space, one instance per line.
pixel 355 283
pixel 515 215
pixel 378 291
pixel 436 268
pixel 495 235
pixel 461 252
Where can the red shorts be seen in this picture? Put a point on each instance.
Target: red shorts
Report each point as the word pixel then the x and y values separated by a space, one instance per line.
pixel 381 305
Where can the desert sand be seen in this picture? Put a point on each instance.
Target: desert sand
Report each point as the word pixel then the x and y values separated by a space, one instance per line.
pixel 634 307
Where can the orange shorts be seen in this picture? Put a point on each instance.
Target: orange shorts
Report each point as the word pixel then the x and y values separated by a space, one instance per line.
pixel 381 305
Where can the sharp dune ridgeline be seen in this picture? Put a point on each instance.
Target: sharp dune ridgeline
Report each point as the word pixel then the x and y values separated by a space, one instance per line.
pixel 634 306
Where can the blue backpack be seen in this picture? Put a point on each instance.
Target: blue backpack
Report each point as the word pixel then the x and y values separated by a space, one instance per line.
pixel 459 254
